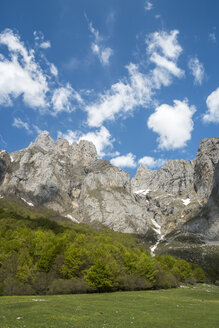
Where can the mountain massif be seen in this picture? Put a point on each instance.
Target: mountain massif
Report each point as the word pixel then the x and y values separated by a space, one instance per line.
pixel 175 208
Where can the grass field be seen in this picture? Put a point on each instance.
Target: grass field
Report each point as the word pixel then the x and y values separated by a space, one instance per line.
pixel 195 306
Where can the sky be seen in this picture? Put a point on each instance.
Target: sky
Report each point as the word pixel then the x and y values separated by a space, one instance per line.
pixel 140 79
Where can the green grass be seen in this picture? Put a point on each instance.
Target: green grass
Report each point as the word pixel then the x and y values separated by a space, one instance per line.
pixel 196 306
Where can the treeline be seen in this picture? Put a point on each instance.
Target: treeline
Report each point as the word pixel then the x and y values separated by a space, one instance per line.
pixel 39 256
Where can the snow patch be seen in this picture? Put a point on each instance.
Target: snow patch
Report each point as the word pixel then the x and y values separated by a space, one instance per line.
pixel 71 218
pixel 155 246
pixel 28 203
pixel 157 227
pixel 186 201
pixel 12 159
pixel 142 192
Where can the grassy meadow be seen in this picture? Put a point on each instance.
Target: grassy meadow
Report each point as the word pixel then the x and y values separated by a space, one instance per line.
pixel 185 307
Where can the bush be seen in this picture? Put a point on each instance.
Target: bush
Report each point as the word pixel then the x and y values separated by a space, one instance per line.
pixel 13 286
pixel 133 282
pixel 68 286
pixel 166 280
pixel 41 282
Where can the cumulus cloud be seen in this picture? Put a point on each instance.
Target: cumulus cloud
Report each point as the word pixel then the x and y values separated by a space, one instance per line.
pixel 45 45
pixel 174 124
pixel 212 115
pixel 22 76
pixel 164 49
pixel 39 39
pixel 164 43
pixel 169 65
pixel 122 97
pixel 138 88
pixel 151 162
pixel 148 6
pixel 18 123
pixel 124 161
pixel 63 99
pixel 197 70
pixel 97 46
pixel 101 139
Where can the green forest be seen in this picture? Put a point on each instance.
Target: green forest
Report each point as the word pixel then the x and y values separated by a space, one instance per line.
pixel 43 256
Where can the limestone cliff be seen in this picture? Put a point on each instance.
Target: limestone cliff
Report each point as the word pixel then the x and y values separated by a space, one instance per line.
pixel 181 197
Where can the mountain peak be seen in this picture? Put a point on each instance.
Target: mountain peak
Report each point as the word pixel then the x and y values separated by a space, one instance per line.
pixel 44 141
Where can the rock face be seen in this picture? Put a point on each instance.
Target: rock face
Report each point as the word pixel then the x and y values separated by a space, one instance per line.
pixel 71 179
pixel 181 197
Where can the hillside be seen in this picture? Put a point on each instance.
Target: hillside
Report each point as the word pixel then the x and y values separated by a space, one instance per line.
pixel 175 209
pixel 40 256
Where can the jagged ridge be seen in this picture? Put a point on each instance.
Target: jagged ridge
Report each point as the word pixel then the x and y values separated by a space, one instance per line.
pixel 180 197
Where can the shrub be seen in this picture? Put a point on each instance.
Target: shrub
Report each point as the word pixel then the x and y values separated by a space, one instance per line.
pixel 68 286
pixel 133 282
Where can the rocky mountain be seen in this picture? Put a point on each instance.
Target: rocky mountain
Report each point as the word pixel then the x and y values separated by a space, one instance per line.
pixel 180 199
pixel 181 191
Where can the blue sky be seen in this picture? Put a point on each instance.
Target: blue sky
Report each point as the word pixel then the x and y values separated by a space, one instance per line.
pixel 138 78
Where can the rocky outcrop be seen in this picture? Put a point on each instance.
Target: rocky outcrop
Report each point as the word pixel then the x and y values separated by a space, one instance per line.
pixel 71 179
pixel 206 161
pixel 180 189
pixel 5 162
pixel 181 197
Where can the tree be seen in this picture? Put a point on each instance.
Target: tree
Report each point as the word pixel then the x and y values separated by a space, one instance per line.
pixel 100 277
pixel 75 262
pixel 146 267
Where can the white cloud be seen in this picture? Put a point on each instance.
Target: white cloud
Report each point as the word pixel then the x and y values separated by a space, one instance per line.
pixel 53 70
pixel 97 46
pixel 164 43
pixel 212 115
pixel 63 98
pixel 18 123
pixel 148 6
pixel 39 39
pixel 105 55
pixel 174 124
pixel 21 75
pixel 124 161
pixel 101 139
pixel 169 65
pixel 45 45
pixel 121 98
pixel 138 88
pixel 151 162
pixel 212 37
pixel 197 70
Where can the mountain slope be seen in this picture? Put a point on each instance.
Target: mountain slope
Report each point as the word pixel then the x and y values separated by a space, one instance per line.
pixel 180 199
